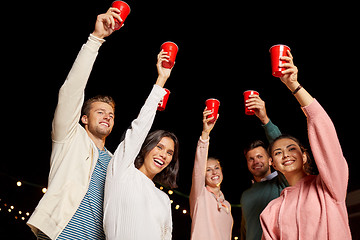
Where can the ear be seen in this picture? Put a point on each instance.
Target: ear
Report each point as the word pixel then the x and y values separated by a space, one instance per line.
pixel 304 156
pixel 271 163
pixel 84 119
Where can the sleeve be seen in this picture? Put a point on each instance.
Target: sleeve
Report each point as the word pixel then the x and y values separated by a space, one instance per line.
pixel 129 148
pixel 71 94
pixel 168 233
pixel 327 152
pixel 271 131
pixel 199 172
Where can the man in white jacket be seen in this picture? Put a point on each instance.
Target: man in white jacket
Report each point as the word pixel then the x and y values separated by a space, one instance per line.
pixel 72 206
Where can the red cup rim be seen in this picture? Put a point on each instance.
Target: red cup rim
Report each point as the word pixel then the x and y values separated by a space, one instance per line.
pixel 123 2
pixel 212 99
pixel 251 90
pixel 170 42
pixel 279 45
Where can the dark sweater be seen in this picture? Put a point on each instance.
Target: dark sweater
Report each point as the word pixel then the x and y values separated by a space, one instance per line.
pixel 255 199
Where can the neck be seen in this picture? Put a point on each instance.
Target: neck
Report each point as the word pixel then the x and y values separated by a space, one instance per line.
pixel 258 178
pixel 294 178
pixel 99 141
pixel 215 190
pixel 146 173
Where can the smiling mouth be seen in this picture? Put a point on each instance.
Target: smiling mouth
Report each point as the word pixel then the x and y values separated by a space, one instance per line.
pixel 105 124
pixel 288 162
pixel 215 178
pixel 158 162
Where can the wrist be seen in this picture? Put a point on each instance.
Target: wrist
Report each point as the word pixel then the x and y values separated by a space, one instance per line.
pixel 265 120
pixel 293 86
pixel 205 134
pixel 161 81
pixel 98 35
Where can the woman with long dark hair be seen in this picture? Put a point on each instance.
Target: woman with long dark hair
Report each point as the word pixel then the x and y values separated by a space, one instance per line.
pixel 313 207
pixel 134 208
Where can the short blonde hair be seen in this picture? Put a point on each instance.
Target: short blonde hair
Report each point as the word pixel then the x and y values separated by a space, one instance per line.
pixel 85 110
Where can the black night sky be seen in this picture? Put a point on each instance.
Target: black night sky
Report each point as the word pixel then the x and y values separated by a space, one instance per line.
pixel 223 51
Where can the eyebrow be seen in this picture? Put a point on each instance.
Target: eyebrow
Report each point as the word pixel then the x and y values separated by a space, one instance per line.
pixel 103 109
pixel 214 166
pixel 162 145
pixel 286 147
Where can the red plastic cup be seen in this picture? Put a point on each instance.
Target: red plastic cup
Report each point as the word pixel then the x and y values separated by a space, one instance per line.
pixel 171 49
pixel 162 103
pixel 276 52
pixel 124 12
pixel 213 105
pixel 246 97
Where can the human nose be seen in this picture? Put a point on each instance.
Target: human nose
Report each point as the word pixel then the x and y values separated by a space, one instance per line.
pixel 162 153
pixel 286 154
pixel 107 116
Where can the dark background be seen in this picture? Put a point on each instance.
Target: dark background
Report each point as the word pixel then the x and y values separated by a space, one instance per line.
pixel 223 51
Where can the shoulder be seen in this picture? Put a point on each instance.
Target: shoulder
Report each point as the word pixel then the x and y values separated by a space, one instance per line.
pixel 162 194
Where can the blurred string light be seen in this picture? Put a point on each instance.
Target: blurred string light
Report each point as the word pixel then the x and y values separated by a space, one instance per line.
pixel 11 209
pixel 24 215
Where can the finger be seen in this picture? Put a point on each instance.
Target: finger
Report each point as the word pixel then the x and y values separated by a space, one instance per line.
pixel 254 96
pixel 164 54
pixel 207 113
pixel 290 70
pixel 289 54
pixel 286 65
pixel 112 20
pixel 107 21
pixel 113 10
pixel 208 119
pixel 116 15
pixel 254 99
pixel 287 59
pixel 253 104
pixel 163 59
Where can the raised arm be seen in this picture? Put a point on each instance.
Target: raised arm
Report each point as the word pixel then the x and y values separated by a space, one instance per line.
pixel 71 94
pixel 325 145
pixel 291 81
pixel 199 172
pixel 258 105
pixel 129 148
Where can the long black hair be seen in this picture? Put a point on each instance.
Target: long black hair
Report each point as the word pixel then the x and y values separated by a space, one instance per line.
pixel 167 176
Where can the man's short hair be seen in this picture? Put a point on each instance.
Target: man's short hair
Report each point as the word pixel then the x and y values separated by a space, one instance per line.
pixel 85 110
pixel 253 145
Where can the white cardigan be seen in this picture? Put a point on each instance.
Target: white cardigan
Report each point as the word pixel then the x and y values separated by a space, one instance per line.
pixel 133 207
pixel 73 155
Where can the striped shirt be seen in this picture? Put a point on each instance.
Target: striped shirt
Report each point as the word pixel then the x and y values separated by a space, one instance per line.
pixel 87 222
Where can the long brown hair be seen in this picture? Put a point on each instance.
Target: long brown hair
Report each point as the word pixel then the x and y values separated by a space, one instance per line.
pixel 167 176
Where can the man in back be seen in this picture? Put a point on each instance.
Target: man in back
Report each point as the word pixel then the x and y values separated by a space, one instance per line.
pixel 266 185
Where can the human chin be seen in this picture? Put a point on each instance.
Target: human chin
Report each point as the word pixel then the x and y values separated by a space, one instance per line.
pixel 102 130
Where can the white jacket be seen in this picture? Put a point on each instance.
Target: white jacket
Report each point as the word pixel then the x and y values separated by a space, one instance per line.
pixel 73 155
